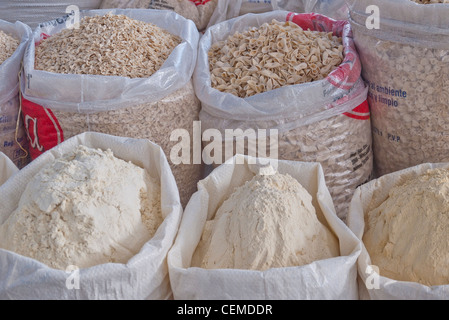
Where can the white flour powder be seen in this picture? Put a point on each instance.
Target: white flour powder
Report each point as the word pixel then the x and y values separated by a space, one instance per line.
pixel 269 222
pixel 84 209
pixel 407 236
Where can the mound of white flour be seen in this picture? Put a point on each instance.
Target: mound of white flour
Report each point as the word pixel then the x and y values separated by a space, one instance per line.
pixel 84 209
pixel 407 235
pixel 269 222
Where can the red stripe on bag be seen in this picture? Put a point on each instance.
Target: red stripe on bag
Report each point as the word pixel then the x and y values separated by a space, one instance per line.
pixel 360 112
pixel 42 36
pixel 42 128
pixel 200 2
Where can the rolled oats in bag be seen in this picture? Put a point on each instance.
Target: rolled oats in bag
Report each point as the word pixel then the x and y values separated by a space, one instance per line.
pixel 405 63
pixel 14 38
pixel 325 119
pixel 148 97
pixel 199 11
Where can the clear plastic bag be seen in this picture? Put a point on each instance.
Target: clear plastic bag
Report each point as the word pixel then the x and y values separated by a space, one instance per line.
pixel 7 168
pixel 13 140
pixel 372 284
pixel 405 64
pixel 190 282
pixel 325 121
pixel 335 9
pixel 228 9
pixel 199 11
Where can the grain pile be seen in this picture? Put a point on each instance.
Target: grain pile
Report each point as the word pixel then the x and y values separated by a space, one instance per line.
pixel 281 55
pixel 406 235
pixel 271 56
pixel 269 222
pixel 110 45
pixel 8 45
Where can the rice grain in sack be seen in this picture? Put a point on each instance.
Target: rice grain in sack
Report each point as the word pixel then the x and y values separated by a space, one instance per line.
pixel 326 120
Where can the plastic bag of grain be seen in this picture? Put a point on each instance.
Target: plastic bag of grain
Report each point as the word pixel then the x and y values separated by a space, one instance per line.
pixel 257 271
pixel 405 63
pixel 199 11
pixel 401 219
pixel 319 119
pixel 143 276
pixel 126 88
pixel 14 38
pixel 33 12
pixel 7 168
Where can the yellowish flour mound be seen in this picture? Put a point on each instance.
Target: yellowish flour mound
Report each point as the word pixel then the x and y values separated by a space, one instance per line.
pixel 407 236
pixel 269 222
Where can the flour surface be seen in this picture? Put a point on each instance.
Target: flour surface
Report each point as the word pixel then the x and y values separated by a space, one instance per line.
pixel 269 222
pixel 84 209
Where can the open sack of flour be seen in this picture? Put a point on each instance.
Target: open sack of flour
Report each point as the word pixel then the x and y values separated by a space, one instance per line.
pixel 92 218
pixel 401 219
pixel 7 168
pixel 404 49
pixel 14 38
pixel 121 72
pixel 292 79
pixel 253 231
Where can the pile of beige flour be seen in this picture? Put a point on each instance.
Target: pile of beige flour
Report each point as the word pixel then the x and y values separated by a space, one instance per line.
pixel 84 209
pixel 407 236
pixel 269 222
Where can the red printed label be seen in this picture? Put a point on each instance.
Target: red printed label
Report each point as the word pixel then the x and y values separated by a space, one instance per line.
pixel 42 36
pixel 360 113
pixel 42 128
pixel 200 2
